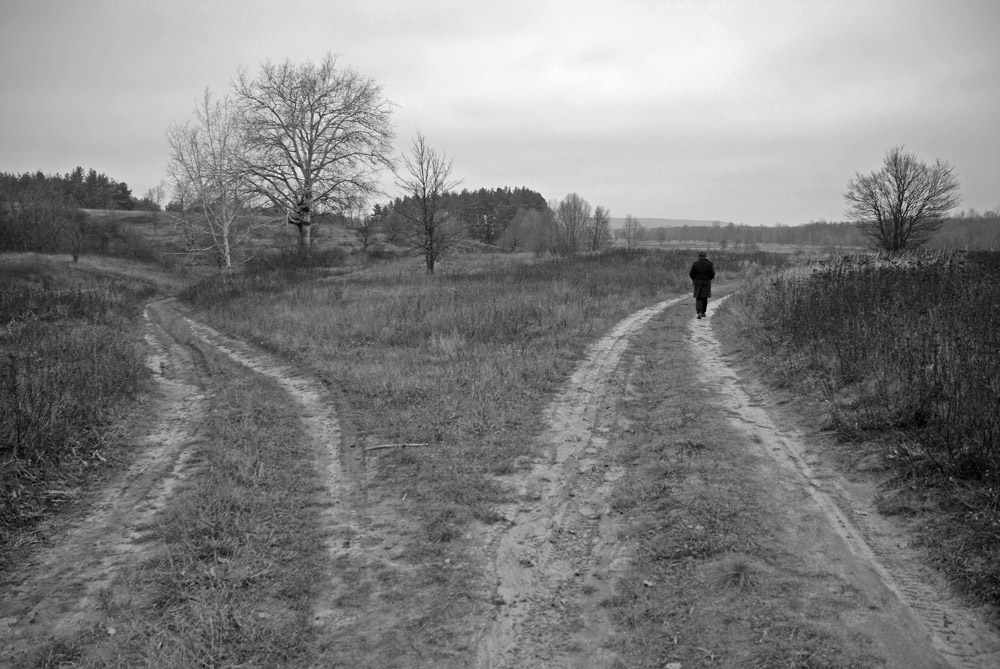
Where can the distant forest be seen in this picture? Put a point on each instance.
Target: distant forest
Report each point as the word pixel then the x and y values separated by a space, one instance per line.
pixel 484 214
pixel 969 229
pixel 84 189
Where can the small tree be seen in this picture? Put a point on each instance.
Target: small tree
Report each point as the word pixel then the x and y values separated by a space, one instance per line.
pixel 599 230
pixel 903 204
pixel 572 217
pixel 632 231
pixel 430 230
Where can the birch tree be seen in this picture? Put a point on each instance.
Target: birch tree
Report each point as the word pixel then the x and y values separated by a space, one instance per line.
pixel 207 156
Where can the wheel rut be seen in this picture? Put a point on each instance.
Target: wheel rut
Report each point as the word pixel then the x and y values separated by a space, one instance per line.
pixel 57 593
pixel 557 556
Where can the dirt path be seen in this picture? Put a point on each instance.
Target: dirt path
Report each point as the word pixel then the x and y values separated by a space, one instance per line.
pixel 58 593
pixel 557 558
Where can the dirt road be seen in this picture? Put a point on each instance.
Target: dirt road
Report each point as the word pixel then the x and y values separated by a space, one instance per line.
pixel 554 561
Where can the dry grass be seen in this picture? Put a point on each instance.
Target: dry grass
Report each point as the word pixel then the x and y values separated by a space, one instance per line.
pixel 70 365
pixel 907 354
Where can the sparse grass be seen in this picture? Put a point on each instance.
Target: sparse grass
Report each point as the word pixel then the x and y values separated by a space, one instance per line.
pixel 70 365
pixel 907 354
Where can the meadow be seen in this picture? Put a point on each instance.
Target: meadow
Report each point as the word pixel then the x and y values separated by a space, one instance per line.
pixel 906 355
pixel 462 361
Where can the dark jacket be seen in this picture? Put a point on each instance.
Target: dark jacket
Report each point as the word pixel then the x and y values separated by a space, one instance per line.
pixel 702 272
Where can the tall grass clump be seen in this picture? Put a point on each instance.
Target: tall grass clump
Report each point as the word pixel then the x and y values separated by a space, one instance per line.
pixel 68 364
pixel 907 352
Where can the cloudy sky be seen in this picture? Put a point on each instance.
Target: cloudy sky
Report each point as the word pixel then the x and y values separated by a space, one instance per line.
pixel 752 111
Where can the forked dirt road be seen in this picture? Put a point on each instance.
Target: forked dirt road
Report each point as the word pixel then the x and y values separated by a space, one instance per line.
pixel 555 559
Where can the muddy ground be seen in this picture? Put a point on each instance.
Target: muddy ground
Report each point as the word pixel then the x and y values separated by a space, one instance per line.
pixel 553 561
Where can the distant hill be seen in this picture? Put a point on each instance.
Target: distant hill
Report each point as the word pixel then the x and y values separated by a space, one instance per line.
pixel 661 222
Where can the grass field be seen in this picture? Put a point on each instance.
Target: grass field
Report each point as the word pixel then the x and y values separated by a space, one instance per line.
pixel 462 364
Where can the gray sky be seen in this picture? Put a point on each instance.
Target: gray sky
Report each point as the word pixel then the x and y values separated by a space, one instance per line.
pixel 752 111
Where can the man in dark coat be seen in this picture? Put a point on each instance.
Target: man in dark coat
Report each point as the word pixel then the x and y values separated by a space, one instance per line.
pixel 702 272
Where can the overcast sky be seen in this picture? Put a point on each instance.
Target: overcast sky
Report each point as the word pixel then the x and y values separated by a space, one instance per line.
pixel 752 111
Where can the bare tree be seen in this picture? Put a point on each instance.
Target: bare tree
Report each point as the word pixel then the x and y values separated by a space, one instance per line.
pixel 572 216
pixel 632 231
pixel 156 195
pixel 903 204
pixel 320 137
pixel 599 229
pixel 207 157
pixel 430 230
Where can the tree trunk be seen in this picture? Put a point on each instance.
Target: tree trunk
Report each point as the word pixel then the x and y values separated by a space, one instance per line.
pixel 305 239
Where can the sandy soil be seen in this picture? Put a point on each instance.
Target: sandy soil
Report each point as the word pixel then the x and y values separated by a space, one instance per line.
pixel 557 555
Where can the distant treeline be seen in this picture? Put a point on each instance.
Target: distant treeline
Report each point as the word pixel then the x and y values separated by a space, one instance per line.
pixel 969 229
pixel 82 189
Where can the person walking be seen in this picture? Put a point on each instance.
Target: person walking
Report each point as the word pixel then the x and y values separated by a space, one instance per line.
pixel 702 272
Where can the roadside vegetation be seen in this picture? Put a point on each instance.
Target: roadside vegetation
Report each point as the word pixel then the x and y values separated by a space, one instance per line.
pixel 70 366
pixel 907 354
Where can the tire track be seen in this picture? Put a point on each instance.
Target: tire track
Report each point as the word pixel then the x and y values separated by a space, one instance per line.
pixel 343 468
pixel 962 641
pixel 558 555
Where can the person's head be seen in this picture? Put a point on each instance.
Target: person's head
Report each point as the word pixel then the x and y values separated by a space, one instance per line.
pixel 702 254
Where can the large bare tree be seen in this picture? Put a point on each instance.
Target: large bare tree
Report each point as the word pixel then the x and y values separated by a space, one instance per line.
pixel 430 229
pixel 207 158
pixel 320 137
pixel 903 204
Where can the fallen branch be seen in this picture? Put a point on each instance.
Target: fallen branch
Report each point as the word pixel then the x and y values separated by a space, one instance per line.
pixel 384 446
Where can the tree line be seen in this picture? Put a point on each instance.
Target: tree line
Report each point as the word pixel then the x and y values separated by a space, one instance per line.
pixel 85 190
